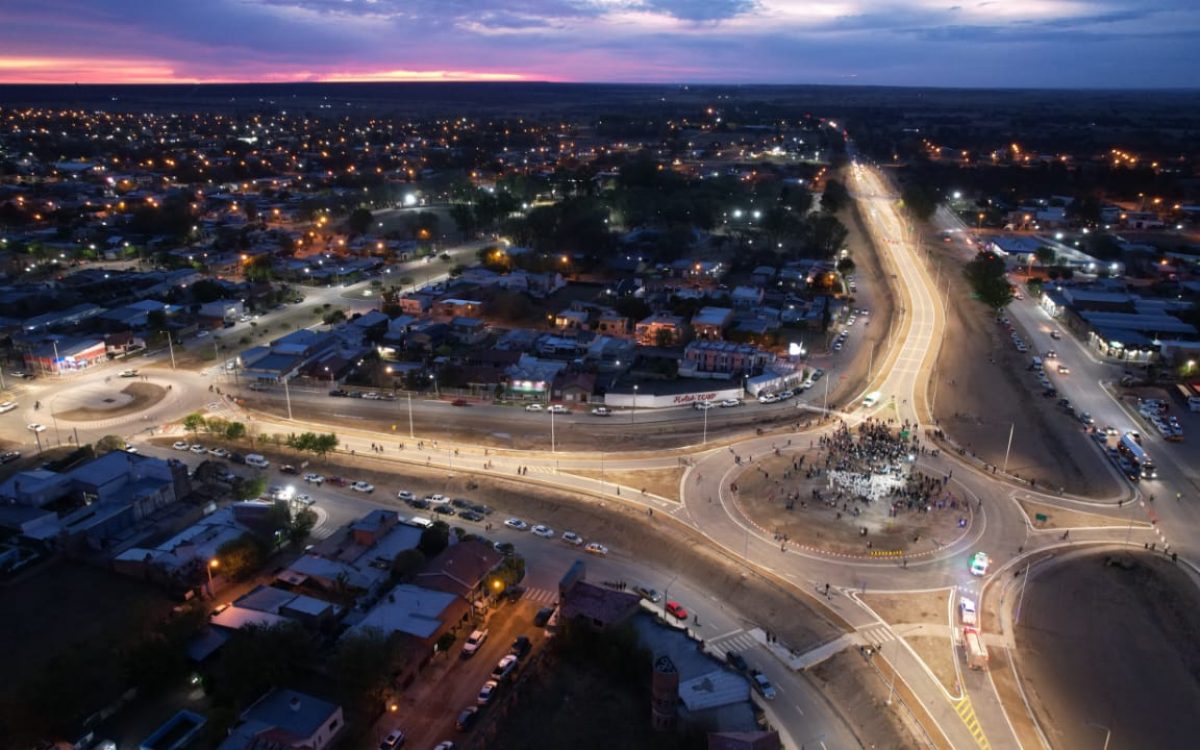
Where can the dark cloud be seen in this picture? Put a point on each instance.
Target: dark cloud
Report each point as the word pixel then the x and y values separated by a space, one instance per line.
pixel 702 10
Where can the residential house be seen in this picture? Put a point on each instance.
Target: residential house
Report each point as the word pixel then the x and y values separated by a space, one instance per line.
pixel 722 359
pixel 461 569
pixel 709 323
pixel 286 719
pixel 661 329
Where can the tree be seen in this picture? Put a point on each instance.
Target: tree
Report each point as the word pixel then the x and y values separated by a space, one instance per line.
pixel 235 431
pixel 324 444
pixel 835 197
pixel 511 570
pixel 1045 256
pixel 985 272
pixel 919 201
pixel 434 539
pixel 249 488
pixel 241 557
pixel 216 426
pixel 827 235
pixel 255 658
pixel 334 316
pixel 407 563
pixel 362 663
pixel 359 220
pixel 110 443
pixel 301 526
pixel 193 422
pixel 463 216
pixel 206 290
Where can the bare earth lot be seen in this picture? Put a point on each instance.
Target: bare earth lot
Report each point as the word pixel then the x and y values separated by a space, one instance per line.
pixel 1116 647
pixel 133 398
pixel 661 482
pixel 983 388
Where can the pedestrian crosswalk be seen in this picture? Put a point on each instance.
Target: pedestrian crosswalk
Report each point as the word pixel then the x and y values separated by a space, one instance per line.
pixel 967 713
pixel 876 634
pixel 738 640
pixel 540 596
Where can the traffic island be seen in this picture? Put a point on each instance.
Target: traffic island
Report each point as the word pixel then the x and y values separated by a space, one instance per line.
pixel 105 402
pixel 856 499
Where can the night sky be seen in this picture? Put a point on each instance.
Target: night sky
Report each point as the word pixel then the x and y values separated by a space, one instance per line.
pixel 1005 43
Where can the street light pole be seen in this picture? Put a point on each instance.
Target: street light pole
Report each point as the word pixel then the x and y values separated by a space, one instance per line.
pixel 287 395
pixel 633 412
pixel 213 563
pixel 171 346
pixel 704 439
pixel 1107 732
pixel 411 434
pixel 57 367
pixel 552 445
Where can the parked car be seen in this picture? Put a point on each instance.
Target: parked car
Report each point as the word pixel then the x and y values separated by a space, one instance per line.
pixel 595 548
pixel 570 537
pixel 676 610
pixel 543 616
pixel 198 449
pixel 180 445
pixel 737 661
pixel 394 740
pixel 520 646
pixel 558 409
pixel 9 456
pixel 406 495
pixel 289 469
pixel 459 402
pixel 218 452
pixel 731 402
pixel 338 393
pixel 7 406
pixel 474 641
pixel 516 523
pixel 504 667
pixel 444 510
pixel 533 407
pixel 647 593
pixel 703 405
pixel 470 515
pixel 544 532
pixel 366 487
pixel 487 692
pixel 466 718
pixel 762 684
pixel 312 478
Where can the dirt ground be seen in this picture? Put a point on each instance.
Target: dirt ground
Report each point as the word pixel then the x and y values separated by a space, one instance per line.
pixel 1062 518
pixel 938 654
pixel 896 609
pixel 1101 644
pixel 143 396
pixel 857 690
pixel 977 358
pixel 661 482
pixel 762 489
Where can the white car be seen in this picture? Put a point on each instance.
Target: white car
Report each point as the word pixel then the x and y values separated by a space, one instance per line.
pixel 474 641
pixel 305 500
pixel 966 610
pixel 486 692
pixel 544 532
pixel 312 478
pixel 601 411
pixel 730 403
pixel 438 499
pixel 363 487
pixel 198 449
pixel 393 741
pixel 570 537
pixel 979 564
pixel 533 407
pixel 406 496
pixel 128 373
pixel 37 427
pixel 371 396
pixel 7 406
pixel 180 445
pixel 559 409
pixel 596 548
pixel 516 523
pixel 768 398
pixel 218 452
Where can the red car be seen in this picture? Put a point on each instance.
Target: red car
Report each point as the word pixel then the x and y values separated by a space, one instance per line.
pixel 338 481
pixel 676 610
pixel 459 402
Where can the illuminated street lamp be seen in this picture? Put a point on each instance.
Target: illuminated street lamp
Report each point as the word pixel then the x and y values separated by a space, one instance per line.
pixel 213 564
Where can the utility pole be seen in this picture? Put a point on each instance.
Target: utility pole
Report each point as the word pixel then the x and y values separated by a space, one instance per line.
pixel 552 446
pixel 1011 427
pixel 1021 598
pixel 171 346
pixel 704 439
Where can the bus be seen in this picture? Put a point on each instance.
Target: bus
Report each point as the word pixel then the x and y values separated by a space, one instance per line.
pixel 1129 449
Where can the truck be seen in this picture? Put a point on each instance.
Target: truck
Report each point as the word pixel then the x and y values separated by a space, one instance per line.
pixel 977 655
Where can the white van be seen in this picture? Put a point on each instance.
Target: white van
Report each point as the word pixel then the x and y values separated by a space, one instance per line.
pixel 257 461
pixel 419 521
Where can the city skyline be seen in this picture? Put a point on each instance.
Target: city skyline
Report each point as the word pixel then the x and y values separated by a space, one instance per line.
pixel 1030 43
